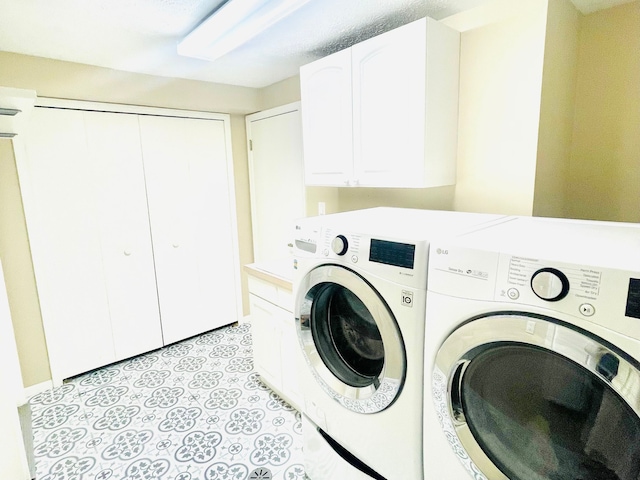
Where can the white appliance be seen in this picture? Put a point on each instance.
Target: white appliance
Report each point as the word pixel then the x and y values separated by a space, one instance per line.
pixel 532 353
pixel 359 287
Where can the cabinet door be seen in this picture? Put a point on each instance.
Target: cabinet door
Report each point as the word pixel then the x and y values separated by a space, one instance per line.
pixel 277 180
pixel 389 107
pixel 64 234
pixel 191 213
pixel 121 213
pixel 292 360
pixel 266 334
pixel 326 120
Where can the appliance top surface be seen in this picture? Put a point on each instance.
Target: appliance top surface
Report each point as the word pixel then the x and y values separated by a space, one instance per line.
pixel 608 244
pixel 404 223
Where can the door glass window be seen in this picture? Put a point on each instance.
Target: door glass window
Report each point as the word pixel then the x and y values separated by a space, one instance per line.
pixel 540 416
pixel 346 336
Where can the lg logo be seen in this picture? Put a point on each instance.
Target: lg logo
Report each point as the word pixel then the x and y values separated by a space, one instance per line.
pixel 407 298
pixel 441 251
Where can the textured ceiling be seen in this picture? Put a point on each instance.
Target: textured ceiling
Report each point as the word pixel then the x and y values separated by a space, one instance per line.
pixel 141 35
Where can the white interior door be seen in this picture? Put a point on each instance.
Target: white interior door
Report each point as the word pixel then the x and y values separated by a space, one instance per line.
pixel 121 211
pixel 276 170
pixel 60 205
pixel 192 223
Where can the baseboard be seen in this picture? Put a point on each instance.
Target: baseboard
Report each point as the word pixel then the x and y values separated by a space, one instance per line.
pixel 34 390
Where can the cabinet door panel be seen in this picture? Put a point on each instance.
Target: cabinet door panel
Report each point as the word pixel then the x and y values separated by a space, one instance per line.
pixel 121 211
pixel 60 207
pixel 389 107
pixel 266 334
pixel 190 210
pixel 326 120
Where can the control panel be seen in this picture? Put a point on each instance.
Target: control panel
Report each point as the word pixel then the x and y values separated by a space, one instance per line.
pixel 605 296
pixel 404 262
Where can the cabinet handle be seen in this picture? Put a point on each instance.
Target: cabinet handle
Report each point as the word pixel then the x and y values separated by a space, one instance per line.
pixel 127 252
pixel 175 245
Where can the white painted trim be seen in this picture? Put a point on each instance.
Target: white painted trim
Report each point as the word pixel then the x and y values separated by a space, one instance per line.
pixel 34 390
pixel 273 112
pixel 122 108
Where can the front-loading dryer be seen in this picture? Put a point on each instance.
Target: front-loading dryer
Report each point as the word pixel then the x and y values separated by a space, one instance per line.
pixel 360 287
pixel 533 353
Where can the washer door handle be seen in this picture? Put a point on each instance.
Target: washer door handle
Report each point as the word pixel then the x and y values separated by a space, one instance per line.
pixel 457 410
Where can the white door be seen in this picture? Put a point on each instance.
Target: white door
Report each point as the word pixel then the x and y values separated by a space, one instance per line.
pixel 325 89
pixel 276 171
pixel 389 107
pixel 60 207
pixel 121 212
pixel 192 223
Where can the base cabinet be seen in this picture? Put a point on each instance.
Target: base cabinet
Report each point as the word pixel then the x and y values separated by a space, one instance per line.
pixel 275 343
pixel 129 219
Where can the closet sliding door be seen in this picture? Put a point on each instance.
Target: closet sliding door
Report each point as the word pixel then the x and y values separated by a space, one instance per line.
pixel 121 212
pixel 191 214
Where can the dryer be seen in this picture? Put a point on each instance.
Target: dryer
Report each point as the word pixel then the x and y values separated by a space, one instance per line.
pixel 533 353
pixel 360 287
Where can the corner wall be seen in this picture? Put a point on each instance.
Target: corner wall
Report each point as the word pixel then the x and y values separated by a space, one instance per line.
pixel 557 109
pixel 604 169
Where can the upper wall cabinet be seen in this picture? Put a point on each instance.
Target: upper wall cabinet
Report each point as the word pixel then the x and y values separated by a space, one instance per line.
pixel 384 112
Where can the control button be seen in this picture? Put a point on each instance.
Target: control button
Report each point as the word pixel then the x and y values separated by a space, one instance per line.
pixel 513 293
pixel 340 245
pixel 550 284
pixel 354 258
pixel 587 309
pixel 325 252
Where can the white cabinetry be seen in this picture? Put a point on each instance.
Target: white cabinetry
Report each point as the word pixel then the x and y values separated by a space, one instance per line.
pixel 275 344
pixel 383 113
pixel 90 182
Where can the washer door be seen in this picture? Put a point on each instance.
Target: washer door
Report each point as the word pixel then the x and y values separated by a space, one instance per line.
pixel 524 397
pixel 350 339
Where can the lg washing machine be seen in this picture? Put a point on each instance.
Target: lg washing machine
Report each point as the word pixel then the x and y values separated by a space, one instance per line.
pixel 533 353
pixel 360 285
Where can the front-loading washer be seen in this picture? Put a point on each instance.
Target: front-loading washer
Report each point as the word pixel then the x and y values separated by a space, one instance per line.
pixel 360 287
pixel 533 353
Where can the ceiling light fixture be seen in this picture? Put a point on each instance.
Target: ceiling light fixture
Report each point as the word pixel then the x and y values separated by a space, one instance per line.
pixel 234 24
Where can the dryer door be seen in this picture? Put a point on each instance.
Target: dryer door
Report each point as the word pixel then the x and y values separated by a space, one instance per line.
pixel 350 339
pixel 526 397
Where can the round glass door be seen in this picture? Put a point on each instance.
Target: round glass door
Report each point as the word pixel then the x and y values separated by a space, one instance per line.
pixel 531 399
pixel 350 339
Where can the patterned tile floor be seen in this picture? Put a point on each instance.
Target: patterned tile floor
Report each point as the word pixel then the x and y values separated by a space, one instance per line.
pixel 195 410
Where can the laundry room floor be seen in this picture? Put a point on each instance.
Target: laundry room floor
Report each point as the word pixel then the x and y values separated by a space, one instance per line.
pixel 194 410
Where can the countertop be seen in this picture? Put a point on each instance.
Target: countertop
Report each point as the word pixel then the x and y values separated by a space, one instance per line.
pixel 279 272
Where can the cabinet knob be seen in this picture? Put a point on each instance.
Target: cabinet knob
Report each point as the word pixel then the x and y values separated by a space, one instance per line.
pixel 127 252
pixel 175 245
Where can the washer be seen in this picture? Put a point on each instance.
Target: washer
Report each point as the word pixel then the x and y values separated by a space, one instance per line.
pixel 532 353
pixel 360 289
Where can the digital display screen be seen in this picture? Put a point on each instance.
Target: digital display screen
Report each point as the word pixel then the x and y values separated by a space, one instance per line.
pixel 392 253
pixel 633 299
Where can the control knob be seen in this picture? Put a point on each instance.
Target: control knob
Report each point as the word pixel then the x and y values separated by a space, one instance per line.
pixel 340 245
pixel 550 284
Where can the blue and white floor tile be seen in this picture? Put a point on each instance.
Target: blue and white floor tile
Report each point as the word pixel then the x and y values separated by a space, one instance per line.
pixel 195 410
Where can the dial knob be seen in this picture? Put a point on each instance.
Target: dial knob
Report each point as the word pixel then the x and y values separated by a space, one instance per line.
pixel 340 245
pixel 550 284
